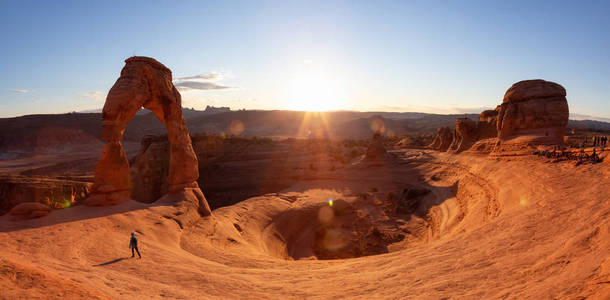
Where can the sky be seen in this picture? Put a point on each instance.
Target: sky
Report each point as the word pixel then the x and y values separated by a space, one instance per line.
pixel 427 56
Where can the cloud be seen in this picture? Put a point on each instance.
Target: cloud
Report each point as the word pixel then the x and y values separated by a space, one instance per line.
pixel 209 81
pixel 20 91
pixel 203 77
pixel 94 95
pixel 198 85
pixel 575 116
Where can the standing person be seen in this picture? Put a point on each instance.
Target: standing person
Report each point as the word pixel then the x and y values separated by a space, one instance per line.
pixel 133 244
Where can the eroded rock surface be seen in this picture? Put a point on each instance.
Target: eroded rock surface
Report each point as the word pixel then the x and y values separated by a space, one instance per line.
pixel 56 193
pixel 30 210
pixel 376 149
pixel 535 110
pixel 443 139
pixel 465 135
pixel 487 124
pixel 144 82
pixel 150 169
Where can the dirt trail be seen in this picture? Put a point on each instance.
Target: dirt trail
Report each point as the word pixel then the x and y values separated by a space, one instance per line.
pixel 490 228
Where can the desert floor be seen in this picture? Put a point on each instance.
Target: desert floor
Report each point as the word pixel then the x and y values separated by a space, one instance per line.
pixel 507 228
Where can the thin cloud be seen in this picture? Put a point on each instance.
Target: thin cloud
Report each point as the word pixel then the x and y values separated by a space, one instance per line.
pixel 202 77
pixel 20 91
pixel 198 85
pixel 94 95
pixel 209 81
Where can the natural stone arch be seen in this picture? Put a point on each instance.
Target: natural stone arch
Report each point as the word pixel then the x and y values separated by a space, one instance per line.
pixel 144 82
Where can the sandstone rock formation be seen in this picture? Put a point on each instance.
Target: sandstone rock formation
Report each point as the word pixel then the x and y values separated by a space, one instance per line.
pixel 144 82
pixel 56 193
pixel 30 210
pixel 149 169
pixel 536 111
pixel 376 149
pixel 486 126
pixel 464 135
pixel 443 139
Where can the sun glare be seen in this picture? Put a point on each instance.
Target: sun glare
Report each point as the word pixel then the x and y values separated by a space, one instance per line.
pixel 314 89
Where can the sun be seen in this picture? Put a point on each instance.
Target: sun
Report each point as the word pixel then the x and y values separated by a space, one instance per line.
pixel 314 89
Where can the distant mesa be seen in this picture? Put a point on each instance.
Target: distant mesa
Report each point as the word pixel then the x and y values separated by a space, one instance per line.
pixel 215 110
pixel 532 113
pixel 144 82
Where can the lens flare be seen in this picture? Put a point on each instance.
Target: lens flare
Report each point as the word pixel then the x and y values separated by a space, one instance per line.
pixel 236 127
pixel 378 125
pixel 330 201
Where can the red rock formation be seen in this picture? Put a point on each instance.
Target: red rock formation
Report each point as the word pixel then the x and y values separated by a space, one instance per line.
pixel 437 139
pixel 144 82
pixel 30 210
pixel 533 112
pixel 56 193
pixel 486 126
pixel 443 139
pixel 376 149
pixel 465 135
pixel 150 169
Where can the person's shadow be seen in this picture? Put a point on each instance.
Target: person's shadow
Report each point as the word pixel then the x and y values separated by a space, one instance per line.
pixel 111 262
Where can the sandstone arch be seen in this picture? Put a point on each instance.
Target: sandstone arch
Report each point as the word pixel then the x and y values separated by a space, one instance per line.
pixel 144 82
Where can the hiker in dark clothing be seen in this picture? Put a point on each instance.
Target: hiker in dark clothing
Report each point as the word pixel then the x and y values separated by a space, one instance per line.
pixel 133 244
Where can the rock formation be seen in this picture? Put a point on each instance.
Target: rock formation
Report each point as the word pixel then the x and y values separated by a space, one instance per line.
pixel 486 126
pixel 533 112
pixel 56 193
pixel 30 210
pixel 437 139
pixel 464 135
pixel 144 82
pixel 443 139
pixel 536 111
pixel 149 169
pixel 376 149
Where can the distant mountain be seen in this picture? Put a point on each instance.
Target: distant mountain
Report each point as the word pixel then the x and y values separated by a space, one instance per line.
pixel 34 131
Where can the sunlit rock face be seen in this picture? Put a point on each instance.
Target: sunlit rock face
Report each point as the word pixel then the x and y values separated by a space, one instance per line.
pixel 443 139
pixel 55 193
pixel 535 110
pixel 144 82
pixel 465 135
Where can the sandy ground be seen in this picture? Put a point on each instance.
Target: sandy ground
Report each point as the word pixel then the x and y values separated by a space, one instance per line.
pixel 494 228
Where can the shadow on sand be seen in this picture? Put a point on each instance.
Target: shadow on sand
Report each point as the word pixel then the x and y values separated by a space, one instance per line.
pixel 111 262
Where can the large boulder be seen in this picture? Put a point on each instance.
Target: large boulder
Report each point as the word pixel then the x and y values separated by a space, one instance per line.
pixel 533 112
pixel 30 210
pixel 465 135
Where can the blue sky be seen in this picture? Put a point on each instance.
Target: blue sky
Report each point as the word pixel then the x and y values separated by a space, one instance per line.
pixel 432 56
